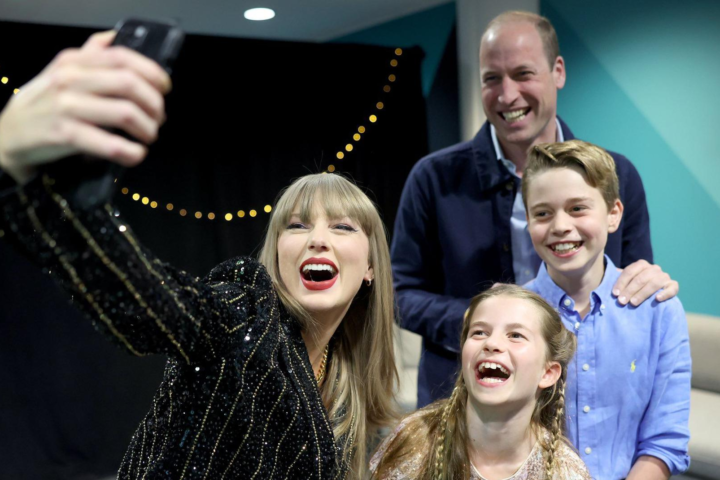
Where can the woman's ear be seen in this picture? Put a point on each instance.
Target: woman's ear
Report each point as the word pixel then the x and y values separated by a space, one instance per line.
pixel 369 275
pixel 552 373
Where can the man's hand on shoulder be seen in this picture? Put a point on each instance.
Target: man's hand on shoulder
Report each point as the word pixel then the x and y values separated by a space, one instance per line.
pixel 639 280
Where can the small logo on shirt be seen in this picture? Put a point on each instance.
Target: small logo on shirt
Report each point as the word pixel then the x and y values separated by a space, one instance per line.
pixel 632 367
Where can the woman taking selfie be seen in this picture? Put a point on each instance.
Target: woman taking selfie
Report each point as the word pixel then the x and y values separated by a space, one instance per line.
pixel 277 368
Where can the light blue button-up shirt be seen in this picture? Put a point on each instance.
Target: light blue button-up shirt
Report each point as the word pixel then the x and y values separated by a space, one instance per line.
pixel 525 261
pixel 628 387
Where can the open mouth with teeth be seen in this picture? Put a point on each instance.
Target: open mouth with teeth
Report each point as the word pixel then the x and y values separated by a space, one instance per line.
pixel 318 273
pixel 515 116
pixel 564 249
pixel 492 374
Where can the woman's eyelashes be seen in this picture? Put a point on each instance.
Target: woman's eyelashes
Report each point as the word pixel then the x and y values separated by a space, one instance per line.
pixel 345 227
pixel 340 226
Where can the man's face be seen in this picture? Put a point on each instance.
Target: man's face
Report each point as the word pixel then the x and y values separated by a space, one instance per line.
pixel 519 87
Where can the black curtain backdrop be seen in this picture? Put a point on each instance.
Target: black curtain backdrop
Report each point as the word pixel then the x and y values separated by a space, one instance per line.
pixel 245 118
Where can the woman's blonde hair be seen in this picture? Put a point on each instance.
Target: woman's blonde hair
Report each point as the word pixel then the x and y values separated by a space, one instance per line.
pixel 440 430
pixel 361 377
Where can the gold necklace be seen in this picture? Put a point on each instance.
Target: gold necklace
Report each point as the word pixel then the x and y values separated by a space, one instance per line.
pixel 323 364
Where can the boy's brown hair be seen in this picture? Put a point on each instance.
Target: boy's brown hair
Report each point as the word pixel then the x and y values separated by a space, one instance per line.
pixel 596 165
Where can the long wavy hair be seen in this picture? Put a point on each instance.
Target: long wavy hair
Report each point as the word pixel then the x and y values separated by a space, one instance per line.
pixel 440 430
pixel 361 377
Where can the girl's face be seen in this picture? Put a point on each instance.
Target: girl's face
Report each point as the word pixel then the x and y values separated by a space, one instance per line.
pixel 323 262
pixel 504 357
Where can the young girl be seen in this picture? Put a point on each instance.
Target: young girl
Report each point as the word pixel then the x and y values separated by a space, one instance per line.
pixel 505 418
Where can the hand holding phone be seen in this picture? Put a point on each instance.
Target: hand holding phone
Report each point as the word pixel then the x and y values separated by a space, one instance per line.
pixel 92 181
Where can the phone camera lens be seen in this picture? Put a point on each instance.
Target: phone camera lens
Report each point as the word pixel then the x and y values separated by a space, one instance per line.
pixel 140 32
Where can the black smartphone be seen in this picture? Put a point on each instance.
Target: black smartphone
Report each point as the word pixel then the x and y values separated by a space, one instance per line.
pixel 92 181
pixel 158 40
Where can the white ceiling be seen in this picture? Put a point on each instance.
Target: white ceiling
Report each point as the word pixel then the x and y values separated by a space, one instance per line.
pixel 299 20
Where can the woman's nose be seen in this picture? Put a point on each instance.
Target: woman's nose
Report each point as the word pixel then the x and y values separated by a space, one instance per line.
pixel 318 241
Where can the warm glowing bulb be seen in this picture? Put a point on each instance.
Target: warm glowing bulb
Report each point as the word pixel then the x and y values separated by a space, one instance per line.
pixel 386 89
pixel 4 80
pixel 361 129
pixel 183 212
pixel 136 196
pixel 170 206
pixel 392 78
pixel 125 191
pixel 380 105
pixel 198 215
pixel 398 51
pixel 268 208
pixel 211 216
pixel 253 213
pixel 228 216
pixel 259 14
pixel 349 147
pixel 331 168
pixel 373 118
pixel 153 204
pixel 340 155
pixel 145 200
pixel 241 213
pixel 356 137
pixel 16 91
pixel 393 63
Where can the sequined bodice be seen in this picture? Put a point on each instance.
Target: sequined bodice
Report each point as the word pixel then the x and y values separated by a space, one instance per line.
pixel 238 398
pixel 568 465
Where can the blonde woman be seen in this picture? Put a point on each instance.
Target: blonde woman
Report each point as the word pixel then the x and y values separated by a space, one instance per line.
pixel 505 418
pixel 277 368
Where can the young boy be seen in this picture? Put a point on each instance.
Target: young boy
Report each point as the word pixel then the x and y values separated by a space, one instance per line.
pixel 628 394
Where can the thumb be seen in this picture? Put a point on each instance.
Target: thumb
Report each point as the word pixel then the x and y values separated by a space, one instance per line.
pixel 99 40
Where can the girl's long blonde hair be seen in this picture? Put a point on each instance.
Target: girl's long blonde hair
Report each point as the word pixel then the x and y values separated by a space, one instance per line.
pixel 361 378
pixel 440 430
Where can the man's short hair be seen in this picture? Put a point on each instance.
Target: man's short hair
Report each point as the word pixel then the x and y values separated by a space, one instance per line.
pixel 594 163
pixel 541 24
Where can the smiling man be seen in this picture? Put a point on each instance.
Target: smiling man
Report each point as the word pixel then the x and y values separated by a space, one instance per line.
pixel 461 223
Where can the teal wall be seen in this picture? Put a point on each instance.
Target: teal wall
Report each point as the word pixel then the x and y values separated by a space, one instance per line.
pixel 428 29
pixel 644 80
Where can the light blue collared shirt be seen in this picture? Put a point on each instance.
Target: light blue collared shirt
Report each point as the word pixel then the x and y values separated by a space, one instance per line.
pixel 628 387
pixel 525 261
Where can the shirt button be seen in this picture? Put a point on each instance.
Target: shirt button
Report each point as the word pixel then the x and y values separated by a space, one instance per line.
pixel 586 409
pixel 586 367
pixel 588 450
pixel 567 302
pixel 577 325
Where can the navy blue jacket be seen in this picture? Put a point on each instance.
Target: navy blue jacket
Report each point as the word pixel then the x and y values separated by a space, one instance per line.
pixel 452 241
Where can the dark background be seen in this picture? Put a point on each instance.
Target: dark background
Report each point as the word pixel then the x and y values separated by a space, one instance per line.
pixel 246 117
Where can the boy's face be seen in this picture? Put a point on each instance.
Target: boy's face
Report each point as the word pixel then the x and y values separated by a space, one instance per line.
pixel 569 223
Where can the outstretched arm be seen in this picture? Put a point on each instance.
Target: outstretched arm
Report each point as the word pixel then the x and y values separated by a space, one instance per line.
pixel 145 305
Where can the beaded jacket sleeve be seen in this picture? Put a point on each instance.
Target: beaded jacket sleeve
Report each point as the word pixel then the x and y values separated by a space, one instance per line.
pixel 238 398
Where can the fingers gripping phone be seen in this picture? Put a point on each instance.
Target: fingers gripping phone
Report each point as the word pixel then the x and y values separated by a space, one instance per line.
pixel 92 181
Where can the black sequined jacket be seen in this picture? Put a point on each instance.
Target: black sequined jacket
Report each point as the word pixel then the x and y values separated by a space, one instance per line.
pixel 238 398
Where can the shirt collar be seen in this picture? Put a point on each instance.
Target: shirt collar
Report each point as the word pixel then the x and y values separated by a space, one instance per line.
pixel 557 297
pixel 500 155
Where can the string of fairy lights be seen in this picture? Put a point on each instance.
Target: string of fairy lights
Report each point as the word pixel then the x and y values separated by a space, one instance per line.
pixel 247 213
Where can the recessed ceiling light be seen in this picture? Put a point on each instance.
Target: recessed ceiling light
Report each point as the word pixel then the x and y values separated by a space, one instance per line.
pixel 259 14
